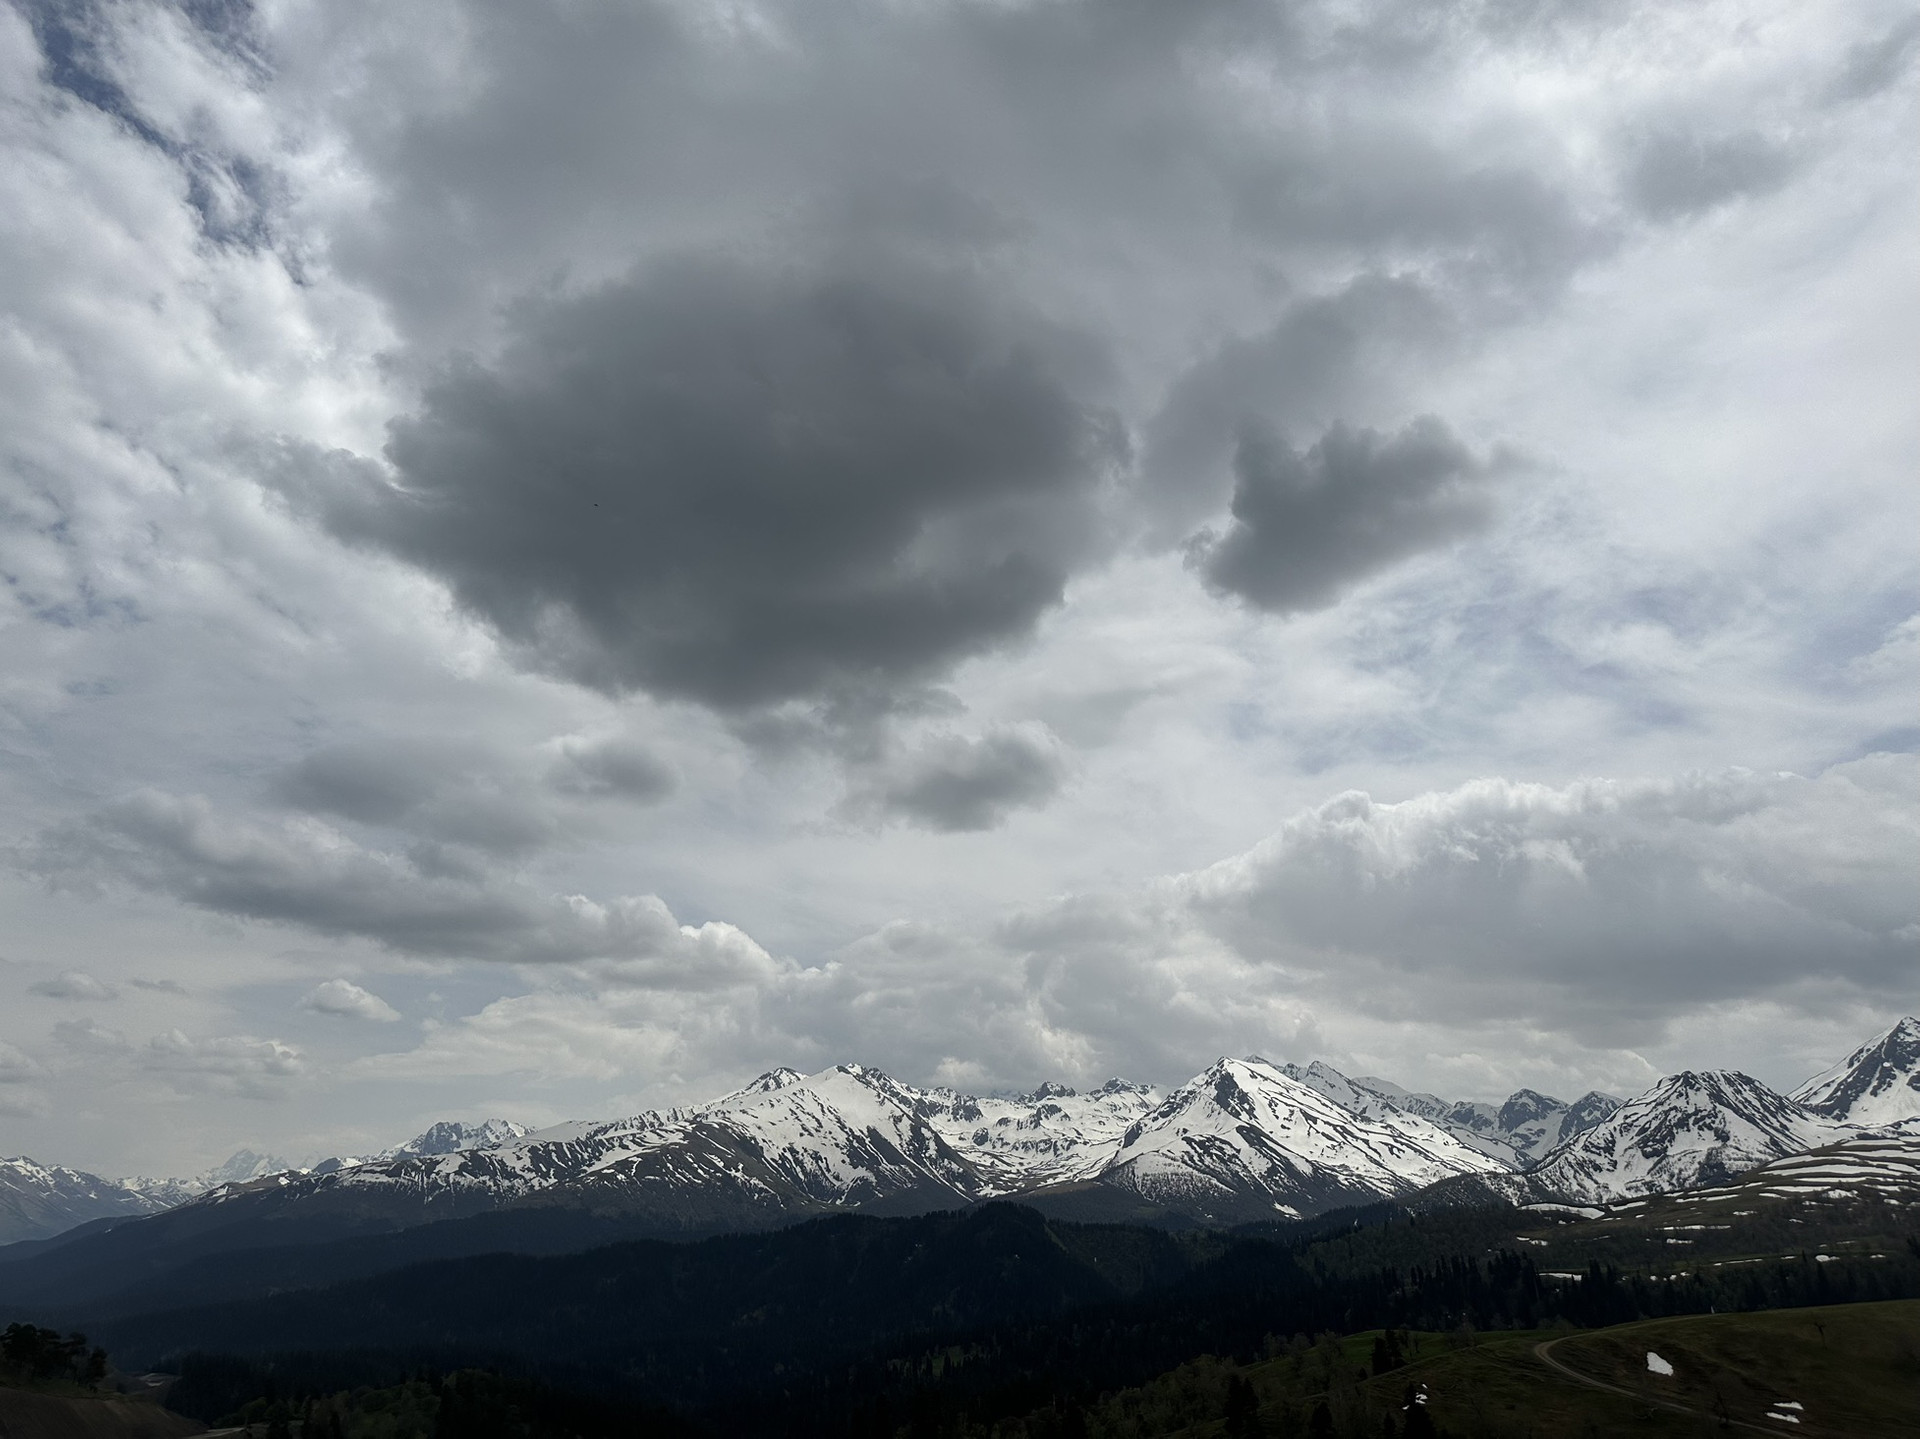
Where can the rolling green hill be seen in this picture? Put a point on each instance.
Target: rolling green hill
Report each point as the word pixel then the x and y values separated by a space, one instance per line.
pixel 1852 1370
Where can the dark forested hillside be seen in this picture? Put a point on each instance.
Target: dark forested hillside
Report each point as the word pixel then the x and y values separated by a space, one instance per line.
pixel 851 1324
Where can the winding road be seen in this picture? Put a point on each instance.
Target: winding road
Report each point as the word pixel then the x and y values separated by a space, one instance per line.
pixel 1543 1352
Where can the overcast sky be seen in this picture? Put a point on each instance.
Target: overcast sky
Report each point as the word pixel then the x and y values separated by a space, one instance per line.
pixel 558 556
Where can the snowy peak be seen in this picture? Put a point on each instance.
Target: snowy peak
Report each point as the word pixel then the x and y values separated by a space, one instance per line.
pixel 771 1082
pixel 451 1136
pixel 1052 1135
pixel 38 1201
pixel 242 1167
pixel 847 1136
pixel 1878 1084
pixel 1690 1129
pixel 1588 1110
pixel 1528 1106
pixel 1518 1132
pixel 1245 1135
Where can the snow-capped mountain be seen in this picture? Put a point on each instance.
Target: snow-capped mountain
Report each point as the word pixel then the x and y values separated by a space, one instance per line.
pixel 450 1137
pixel 1689 1129
pixel 784 1146
pixel 1241 1139
pixel 1520 1131
pixel 1053 1135
pixel 38 1201
pixel 241 1167
pixel 1246 1138
pixel 1878 1084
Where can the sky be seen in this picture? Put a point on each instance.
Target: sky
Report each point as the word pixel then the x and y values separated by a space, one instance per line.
pixel 559 556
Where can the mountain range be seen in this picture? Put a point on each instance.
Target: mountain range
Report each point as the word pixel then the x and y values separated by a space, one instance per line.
pixel 38 1201
pixel 1243 1141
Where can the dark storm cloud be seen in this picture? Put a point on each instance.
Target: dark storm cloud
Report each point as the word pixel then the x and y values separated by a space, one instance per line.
pixel 1307 525
pixel 1324 356
pixel 743 486
pixel 959 782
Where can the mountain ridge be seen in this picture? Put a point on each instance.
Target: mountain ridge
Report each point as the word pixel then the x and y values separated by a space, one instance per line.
pixel 1243 1140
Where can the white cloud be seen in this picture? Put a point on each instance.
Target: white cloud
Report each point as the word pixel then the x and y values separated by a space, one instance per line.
pixel 346 1000
pixel 236 1064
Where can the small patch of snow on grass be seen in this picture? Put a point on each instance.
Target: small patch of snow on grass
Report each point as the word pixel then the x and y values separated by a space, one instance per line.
pixel 1657 1365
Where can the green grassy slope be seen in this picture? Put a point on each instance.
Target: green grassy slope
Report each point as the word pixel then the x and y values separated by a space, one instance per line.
pixel 1854 1369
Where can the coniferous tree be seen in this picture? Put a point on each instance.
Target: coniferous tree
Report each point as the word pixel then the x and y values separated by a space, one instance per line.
pixel 1243 1410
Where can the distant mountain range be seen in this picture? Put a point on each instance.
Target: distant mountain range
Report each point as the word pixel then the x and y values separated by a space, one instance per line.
pixel 1244 1140
pixel 39 1201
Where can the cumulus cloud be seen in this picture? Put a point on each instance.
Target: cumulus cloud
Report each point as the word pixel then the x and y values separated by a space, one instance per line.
pixel 305 874
pixel 1307 526
pixel 1506 928
pixel 344 999
pixel 1325 357
pixel 742 486
pixel 956 782
pixel 1601 910
pixel 74 984
pixel 235 1064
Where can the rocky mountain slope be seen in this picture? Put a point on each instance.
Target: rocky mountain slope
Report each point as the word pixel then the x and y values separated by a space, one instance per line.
pixel 785 1146
pixel 38 1201
pixel 1689 1129
pixel 1246 1140
pixel 1519 1131
pixel 1878 1084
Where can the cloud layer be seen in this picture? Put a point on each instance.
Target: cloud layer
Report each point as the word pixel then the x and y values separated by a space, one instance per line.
pixel 653 541
pixel 1603 912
